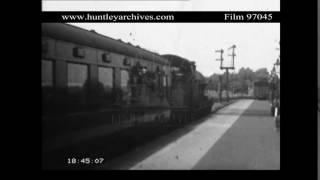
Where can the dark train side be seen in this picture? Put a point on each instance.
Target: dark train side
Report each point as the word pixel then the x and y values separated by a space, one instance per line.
pixel 82 70
pixel 90 80
pixel 188 86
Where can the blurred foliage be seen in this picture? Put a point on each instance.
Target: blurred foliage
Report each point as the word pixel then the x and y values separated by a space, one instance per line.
pixel 239 81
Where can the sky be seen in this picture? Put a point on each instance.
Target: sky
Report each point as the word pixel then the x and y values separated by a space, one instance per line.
pixel 161 5
pixel 256 43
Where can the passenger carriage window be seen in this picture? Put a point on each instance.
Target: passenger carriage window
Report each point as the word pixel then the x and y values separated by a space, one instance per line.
pixel 46 73
pixel 124 78
pixel 77 74
pixel 105 76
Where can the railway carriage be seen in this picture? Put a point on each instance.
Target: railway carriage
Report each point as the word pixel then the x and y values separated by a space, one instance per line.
pixel 261 89
pixel 92 81
pixel 85 71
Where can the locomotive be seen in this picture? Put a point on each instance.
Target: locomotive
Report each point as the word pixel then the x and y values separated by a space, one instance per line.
pixel 188 86
pixel 89 80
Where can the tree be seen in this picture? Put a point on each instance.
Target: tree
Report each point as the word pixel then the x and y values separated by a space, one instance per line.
pixel 239 81
pixel 261 74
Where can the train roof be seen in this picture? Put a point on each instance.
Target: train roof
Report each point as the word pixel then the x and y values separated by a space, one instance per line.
pixel 92 39
pixel 180 61
pixel 176 60
pixel 200 77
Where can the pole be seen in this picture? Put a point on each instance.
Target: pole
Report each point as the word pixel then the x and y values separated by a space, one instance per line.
pixel 221 57
pixel 219 88
pixel 220 77
pixel 227 68
pixel 227 86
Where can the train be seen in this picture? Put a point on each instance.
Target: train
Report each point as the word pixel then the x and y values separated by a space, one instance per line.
pixel 188 85
pixel 261 89
pixel 89 80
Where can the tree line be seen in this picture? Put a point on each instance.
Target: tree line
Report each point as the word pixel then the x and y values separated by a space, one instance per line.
pixel 239 81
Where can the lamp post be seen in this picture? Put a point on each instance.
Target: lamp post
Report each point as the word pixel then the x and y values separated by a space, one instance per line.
pixel 277 71
pixel 275 86
pixel 275 80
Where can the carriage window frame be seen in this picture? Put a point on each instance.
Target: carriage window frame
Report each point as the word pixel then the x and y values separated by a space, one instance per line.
pixel 87 74
pixel 113 76
pixel 127 84
pixel 51 84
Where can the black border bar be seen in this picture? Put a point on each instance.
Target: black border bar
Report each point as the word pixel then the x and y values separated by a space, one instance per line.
pixel 161 16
